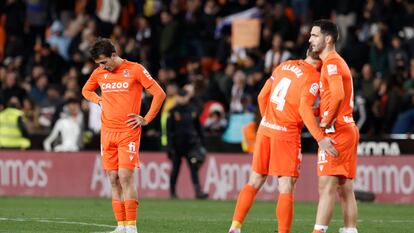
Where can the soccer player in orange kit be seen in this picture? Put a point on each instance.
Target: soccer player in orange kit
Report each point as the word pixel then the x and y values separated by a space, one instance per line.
pixel 336 165
pixel 121 83
pixel 277 147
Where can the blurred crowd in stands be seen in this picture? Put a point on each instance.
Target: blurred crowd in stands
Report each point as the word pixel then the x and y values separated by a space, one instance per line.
pixel 44 58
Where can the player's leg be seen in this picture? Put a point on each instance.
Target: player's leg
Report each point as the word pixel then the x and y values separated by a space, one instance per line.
pixel 110 163
pixel 284 208
pixel 328 186
pixel 349 205
pixel 246 199
pixel 260 166
pixel 285 161
pixel 176 165
pixel 128 147
pixel 126 177
pixel 346 184
pixel 195 179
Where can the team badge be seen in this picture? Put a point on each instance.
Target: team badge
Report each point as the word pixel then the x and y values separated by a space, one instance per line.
pixel 126 73
pixel 332 69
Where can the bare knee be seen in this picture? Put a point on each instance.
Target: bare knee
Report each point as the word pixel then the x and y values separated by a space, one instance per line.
pixel 328 185
pixel 114 178
pixel 346 189
pixel 126 177
pixel 256 180
pixel 286 184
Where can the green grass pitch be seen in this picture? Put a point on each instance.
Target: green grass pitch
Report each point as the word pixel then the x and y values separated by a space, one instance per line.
pixel 73 215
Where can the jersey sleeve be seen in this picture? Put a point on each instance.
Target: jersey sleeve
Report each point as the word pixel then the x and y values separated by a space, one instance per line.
pixel 144 77
pixel 263 97
pixel 336 87
pixel 88 90
pixel 309 93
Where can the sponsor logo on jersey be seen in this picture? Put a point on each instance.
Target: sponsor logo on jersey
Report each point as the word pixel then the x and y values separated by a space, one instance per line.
pixel 115 86
pixel 332 69
pixel 147 74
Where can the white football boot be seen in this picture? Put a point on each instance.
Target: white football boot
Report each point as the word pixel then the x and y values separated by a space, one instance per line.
pixel 119 229
pixel 234 230
pixel 131 229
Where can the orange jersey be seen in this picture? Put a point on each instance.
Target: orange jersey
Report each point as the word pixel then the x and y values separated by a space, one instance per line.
pixel 121 94
pixel 336 84
pixel 280 98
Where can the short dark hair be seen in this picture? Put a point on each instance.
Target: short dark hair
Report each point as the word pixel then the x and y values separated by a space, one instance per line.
pixel 102 46
pixel 327 28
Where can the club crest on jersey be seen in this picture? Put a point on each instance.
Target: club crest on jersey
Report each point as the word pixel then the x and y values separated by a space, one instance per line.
pixel 126 73
pixel 314 89
pixel 131 148
pixel 105 76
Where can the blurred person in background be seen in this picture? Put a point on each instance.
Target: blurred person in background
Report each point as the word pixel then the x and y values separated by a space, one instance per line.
pixel 69 128
pixel 32 113
pixel 276 55
pixel 58 40
pixel 184 136
pixel 216 121
pixel 13 130
pixel 48 107
pixel 11 87
pixel 249 133
pixel 121 82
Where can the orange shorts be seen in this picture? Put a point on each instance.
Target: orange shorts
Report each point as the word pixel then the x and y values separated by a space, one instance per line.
pixel 120 149
pixel 344 165
pixel 276 157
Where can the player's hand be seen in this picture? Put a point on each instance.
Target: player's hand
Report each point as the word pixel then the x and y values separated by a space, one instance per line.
pixel 326 144
pixel 135 121
pixel 323 124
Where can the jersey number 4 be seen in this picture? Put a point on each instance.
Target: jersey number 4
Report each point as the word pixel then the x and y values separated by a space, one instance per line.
pixel 280 92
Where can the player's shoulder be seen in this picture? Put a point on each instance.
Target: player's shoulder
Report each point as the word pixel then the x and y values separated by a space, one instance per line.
pixel 133 65
pixel 333 58
pixel 283 66
pixel 97 71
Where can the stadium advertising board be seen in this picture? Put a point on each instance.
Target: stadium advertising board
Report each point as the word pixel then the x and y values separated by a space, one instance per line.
pixel 222 175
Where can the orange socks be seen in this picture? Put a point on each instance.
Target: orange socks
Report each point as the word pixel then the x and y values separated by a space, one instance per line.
pixel 244 202
pixel 119 211
pixel 131 209
pixel 284 212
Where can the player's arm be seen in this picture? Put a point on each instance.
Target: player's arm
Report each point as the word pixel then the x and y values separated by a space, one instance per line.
pixel 336 87
pixel 47 143
pixel 264 95
pixel 307 99
pixel 88 90
pixel 156 91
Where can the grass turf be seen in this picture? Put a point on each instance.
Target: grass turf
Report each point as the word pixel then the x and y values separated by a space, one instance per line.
pixel 58 215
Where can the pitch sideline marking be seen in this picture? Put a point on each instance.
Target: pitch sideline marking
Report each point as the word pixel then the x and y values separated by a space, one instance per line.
pixel 53 221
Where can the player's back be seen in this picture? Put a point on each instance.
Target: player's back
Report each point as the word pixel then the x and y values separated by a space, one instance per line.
pixel 281 115
pixel 335 65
